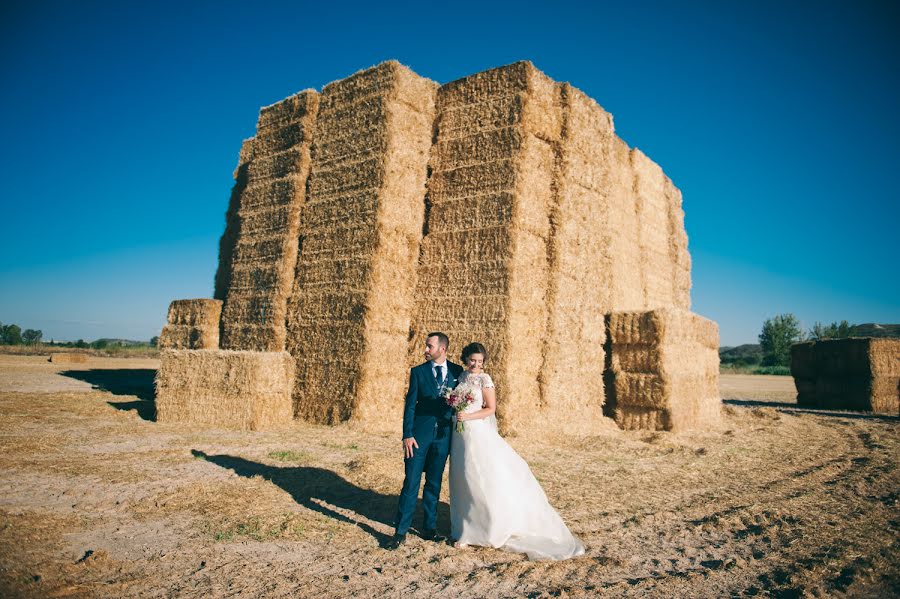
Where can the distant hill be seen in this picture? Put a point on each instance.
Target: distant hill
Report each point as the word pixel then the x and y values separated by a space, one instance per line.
pixel 749 353
pixel 875 330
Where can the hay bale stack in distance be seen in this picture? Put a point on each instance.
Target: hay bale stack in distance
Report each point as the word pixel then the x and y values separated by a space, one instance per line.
pixel 192 324
pixel 803 369
pixel 484 267
pixel 351 303
pixel 239 390
pixel 68 358
pixel 664 370
pixel 268 225
pixel 858 374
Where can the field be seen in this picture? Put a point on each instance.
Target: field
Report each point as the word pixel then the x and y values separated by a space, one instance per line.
pixel 98 500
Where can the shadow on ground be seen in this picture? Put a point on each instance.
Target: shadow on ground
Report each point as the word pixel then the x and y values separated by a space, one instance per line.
pixel 137 382
pixel 793 408
pixel 323 490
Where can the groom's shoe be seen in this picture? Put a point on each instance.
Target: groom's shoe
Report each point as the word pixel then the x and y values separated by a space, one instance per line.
pixel 433 535
pixel 394 542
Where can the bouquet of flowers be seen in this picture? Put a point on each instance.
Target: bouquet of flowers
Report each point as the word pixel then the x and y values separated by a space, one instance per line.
pixel 459 399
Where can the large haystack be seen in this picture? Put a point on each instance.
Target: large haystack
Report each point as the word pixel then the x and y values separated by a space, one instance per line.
pixel 192 324
pixel 242 390
pixel 803 368
pixel 848 374
pixel 267 222
pixel 664 370
pixel 538 221
pixel 352 297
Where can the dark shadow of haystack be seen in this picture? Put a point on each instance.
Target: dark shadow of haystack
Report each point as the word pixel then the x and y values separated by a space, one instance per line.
pixel 136 382
pixel 311 487
pixel 793 408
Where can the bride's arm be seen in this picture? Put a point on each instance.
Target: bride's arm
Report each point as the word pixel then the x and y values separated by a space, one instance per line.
pixel 490 406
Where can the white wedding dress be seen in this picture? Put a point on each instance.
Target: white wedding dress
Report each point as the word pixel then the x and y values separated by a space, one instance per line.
pixel 495 501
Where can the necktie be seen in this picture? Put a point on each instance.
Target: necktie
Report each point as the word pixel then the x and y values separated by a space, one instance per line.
pixel 439 375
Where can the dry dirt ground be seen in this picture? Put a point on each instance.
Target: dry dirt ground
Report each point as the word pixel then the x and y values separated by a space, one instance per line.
pixel 98 500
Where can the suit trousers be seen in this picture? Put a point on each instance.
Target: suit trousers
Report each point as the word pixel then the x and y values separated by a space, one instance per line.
pixel 430 459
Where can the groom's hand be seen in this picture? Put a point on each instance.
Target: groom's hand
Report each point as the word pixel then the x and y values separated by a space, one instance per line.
pixel 408 445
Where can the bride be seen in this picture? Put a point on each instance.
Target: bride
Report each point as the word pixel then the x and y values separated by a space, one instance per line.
pixel 495 501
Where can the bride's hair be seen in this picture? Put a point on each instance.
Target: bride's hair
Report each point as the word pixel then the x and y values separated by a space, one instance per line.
pixel 473 348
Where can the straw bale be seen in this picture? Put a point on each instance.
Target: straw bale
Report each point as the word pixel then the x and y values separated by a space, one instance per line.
pixel 806 391
pixel 848 374
pixel 486 86
pixel 264 257
pixel 292 162
pixel 884 357
pixel 287 111
pixel 842 357
pixel 467 119
pixel 489 146
pixel 269 142
pixel 678 248
pixel 240 390
pixel 192 324
pixel 380 79
pixel 179 336
pixel 665 360
pixel 203 313
pixel 803 364
pixel 631 418
pixel 663 326
pixel 68 358
pixel 270 193
pixel 361 230
pixel 230 236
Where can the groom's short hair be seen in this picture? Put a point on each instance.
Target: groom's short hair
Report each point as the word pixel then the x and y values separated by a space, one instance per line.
pixel 442 338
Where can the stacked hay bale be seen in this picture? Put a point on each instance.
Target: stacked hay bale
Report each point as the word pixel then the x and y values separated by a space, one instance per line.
pixel 848 374
pixel 657 264
pixel 484 268
pixel 351 302
pixel 587 205
pixel 803 369
pixel 192 324
pixel 261 274
pixel 230 236
pixel 679 257
pixel 242 390
pixel 664 370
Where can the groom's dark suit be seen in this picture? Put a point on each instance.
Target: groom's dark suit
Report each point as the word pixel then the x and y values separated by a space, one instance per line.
pixel 427 418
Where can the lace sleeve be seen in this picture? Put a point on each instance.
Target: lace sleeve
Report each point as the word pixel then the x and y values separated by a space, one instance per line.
pixel 486 382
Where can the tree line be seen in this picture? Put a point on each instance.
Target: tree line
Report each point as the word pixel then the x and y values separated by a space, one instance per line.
pixel 12 334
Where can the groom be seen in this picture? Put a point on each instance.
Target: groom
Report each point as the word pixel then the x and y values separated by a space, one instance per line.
pixel 427 423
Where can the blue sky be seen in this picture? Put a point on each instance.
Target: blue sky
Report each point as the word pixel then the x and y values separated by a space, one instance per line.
pixel 122 123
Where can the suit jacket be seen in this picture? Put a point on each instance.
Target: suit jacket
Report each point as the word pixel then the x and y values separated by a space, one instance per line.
pixel 424 407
